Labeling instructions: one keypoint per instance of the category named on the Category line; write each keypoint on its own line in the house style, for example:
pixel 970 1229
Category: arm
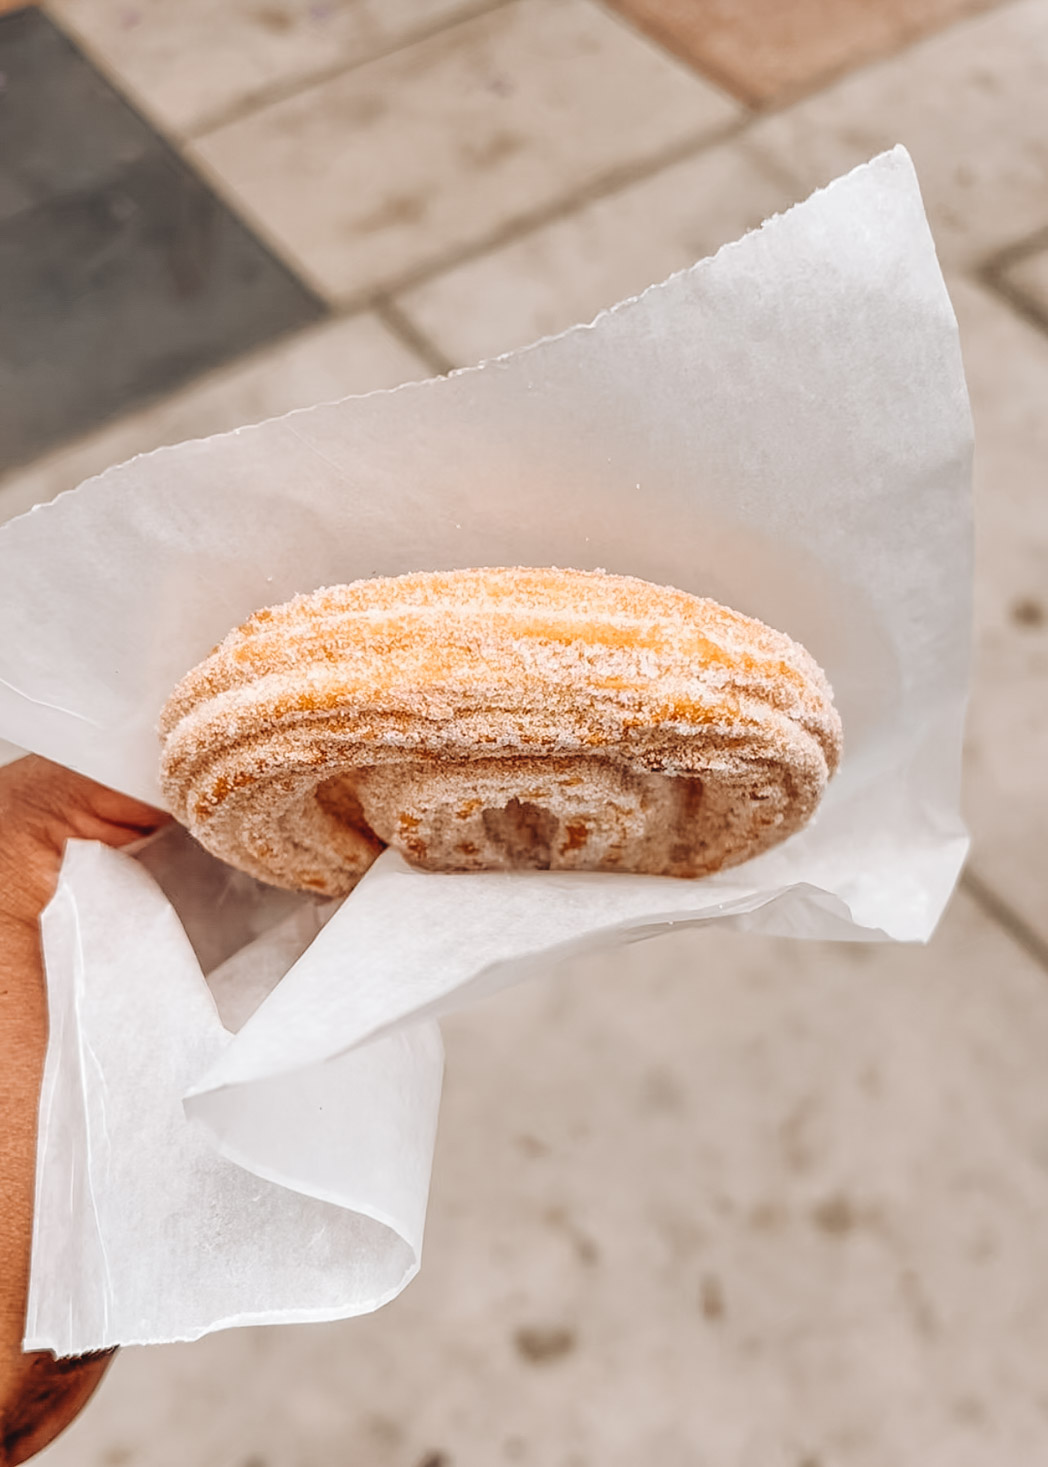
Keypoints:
pixel 41 807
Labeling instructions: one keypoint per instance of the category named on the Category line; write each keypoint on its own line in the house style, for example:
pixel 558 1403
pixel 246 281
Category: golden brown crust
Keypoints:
pixel 494 718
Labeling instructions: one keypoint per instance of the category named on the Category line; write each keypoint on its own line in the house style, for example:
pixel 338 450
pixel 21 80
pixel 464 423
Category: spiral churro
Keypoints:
pixel 496 719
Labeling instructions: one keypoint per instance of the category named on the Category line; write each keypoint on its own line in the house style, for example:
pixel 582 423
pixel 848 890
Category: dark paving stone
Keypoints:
pixel 63 127
pixel 121 274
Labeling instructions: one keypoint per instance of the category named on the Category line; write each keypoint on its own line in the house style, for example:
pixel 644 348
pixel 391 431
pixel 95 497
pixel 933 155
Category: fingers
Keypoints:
pixel 56 804
pixel 43 1399
pixel 42 806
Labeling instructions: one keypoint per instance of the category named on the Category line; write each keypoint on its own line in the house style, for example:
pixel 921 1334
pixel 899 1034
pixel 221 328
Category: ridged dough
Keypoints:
pixel 497 718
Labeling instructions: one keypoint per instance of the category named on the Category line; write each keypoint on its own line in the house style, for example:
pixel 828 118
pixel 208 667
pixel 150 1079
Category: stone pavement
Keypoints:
pixel 714 1201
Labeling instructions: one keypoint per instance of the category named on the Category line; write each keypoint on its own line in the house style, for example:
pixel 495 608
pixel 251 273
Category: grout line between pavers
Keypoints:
pixel 373 296
pixel 1013 254
pixel 666 41
pixel 1017 300
pixel 606 185
pixel 283 91
pixel 1005 916
pixel 408 334
pixel 992 274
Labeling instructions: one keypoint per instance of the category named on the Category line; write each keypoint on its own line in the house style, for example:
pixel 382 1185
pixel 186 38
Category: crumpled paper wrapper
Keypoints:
pixel 783 427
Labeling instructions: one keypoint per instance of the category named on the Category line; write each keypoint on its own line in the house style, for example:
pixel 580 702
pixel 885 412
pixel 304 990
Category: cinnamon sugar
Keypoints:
pixel 436 700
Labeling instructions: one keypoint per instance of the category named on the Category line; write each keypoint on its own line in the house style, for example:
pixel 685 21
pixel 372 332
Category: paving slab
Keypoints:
pixel 762 49
pixel 968 103
pixel 566 272
pixel 398 165
pixel 1006 774
pixel 241 50
pixel 320 364
pixel 122 275
pixel 712 1199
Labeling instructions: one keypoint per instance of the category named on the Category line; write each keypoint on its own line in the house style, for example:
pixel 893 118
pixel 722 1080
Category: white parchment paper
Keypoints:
pixel 142 1232
pixel 784 427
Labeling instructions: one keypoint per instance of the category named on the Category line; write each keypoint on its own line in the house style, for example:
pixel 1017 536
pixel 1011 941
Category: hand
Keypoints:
pixel 41 807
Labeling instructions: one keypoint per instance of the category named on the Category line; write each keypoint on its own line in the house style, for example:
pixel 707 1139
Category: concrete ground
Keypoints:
pixel 716 1201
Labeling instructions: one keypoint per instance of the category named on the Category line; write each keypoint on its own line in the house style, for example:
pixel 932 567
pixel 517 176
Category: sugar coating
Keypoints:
pixel 496 719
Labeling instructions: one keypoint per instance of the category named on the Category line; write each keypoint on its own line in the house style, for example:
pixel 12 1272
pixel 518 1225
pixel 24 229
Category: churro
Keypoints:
pixel 497 719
